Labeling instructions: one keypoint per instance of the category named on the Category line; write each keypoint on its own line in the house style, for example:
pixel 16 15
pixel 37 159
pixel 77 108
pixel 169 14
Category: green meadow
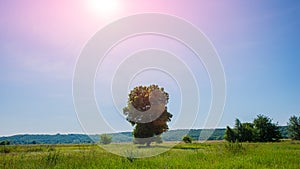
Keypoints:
pixel 285 154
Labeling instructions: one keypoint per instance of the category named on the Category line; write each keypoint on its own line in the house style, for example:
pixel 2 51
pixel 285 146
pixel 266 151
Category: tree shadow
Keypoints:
pixel 153 146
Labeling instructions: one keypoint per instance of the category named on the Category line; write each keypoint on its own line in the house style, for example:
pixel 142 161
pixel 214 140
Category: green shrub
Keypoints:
pixel 105 139
pixel 5 142
pixel 187 139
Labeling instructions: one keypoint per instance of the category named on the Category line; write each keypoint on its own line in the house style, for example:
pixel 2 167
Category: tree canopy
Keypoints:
pixel 265 129
pixel 262 130
pixel 230 135
pixel 187 139
pixel 146 110
pixel 294 127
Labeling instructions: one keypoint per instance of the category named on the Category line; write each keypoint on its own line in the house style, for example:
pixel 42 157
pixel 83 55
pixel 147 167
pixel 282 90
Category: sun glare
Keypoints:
pixel 104 8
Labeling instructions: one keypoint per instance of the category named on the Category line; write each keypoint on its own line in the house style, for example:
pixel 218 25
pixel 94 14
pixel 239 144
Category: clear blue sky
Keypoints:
pixel 257 42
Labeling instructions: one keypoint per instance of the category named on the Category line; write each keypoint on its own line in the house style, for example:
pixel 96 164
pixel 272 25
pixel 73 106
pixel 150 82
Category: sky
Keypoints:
pixel 40 42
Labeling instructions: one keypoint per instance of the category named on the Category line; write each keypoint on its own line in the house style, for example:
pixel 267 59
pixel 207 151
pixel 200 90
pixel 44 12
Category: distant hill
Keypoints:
pixel 172 135
pixel 48 139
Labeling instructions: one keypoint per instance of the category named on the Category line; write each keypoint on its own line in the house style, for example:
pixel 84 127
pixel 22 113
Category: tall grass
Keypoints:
pixel 196 155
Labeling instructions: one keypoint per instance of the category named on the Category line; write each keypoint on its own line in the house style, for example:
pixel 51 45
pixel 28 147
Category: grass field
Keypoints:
pixel 197 155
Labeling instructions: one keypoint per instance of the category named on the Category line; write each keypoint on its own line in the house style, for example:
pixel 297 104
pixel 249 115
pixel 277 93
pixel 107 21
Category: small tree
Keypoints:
pixel 238 130
pixel 265 130
pixel 105 139
pixel 5 142
pixel 247 132
pixel 294 128
pixel 230 135
pixel 187 139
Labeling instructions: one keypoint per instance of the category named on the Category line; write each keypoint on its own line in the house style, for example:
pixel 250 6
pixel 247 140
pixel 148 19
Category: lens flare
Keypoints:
pixel 104 8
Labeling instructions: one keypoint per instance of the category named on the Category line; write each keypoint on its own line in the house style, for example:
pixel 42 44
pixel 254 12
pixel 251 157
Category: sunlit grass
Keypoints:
pixel 195 155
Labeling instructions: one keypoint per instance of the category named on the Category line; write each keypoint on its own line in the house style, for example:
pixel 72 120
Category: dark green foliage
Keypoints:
pixel 243 131
pixel 5 142
pixel 247 132
pixel 137 113
pixel 265 130
pixel 171 135
pixel 187 139
pixel 105 139
pixel 230 135
pixel 50 139
pixel 262 130
pixel 294 128
pixel 238 129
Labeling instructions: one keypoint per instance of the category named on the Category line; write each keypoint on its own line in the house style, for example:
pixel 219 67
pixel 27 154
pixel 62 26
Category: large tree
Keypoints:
pixel 294 128
pixel 146 110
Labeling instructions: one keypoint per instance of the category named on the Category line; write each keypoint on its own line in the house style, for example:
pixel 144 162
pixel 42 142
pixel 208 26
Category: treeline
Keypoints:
pixel 172 135
pixel 47 139
pixel 262 129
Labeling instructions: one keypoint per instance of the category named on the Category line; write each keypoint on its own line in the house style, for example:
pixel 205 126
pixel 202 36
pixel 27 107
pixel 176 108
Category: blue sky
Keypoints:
pixel 257 42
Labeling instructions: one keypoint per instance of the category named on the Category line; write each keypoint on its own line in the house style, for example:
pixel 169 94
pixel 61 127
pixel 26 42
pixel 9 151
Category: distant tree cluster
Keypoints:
pixel 261 130
pixel 49 139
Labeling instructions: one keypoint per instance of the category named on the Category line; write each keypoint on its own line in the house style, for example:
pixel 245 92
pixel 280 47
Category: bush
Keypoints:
pixel 187 139
pixel 230 135
pixel 105 139
pixel 5 142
